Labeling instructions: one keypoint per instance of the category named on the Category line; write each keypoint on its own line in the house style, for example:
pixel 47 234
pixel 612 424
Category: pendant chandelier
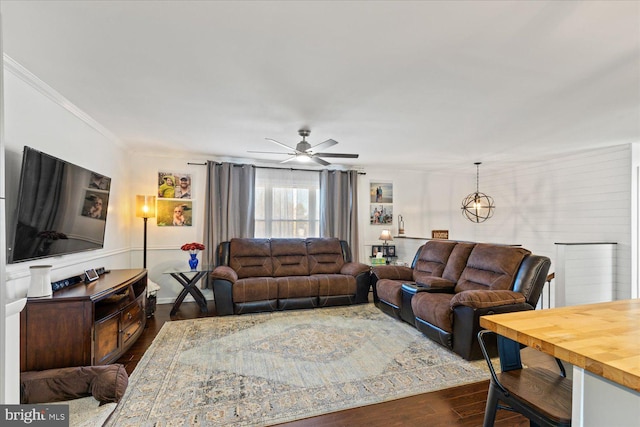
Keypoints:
pixel 478 207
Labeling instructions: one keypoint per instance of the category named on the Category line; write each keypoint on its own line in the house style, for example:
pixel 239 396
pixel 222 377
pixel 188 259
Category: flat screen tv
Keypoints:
pixel 61 208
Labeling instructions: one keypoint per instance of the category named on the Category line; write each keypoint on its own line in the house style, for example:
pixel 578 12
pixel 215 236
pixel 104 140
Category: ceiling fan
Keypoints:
pixel 304 152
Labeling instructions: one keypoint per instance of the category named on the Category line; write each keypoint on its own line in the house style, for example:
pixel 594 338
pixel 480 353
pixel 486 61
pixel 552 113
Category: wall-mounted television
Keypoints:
pixel 61 208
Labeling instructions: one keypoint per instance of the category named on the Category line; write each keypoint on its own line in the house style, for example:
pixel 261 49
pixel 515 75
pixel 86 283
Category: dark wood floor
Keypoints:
pixel 459 406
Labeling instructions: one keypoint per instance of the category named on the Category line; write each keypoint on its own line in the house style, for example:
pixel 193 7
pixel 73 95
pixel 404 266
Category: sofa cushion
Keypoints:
pixel 434 309
pixel 289 257
pixel 251 257
pixel 107 383
pixel 433 258
pixel 390 291
pixel 335 284
pixel 491 266
pixel 255 289
pixel 297 287
pixel 457 261
pixel 325 256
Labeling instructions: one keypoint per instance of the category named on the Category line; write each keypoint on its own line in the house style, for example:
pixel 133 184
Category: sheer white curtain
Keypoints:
pixel 287 203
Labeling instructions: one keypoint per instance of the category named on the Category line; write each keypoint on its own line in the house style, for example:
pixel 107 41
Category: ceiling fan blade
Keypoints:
pixel 271 152
pixel 340 155
pixel 293 157
pixel 281 144
pixel 319 161
pixel 326 144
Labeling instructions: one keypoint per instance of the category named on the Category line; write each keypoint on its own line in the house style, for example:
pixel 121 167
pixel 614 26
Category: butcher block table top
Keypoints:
pixel 601 338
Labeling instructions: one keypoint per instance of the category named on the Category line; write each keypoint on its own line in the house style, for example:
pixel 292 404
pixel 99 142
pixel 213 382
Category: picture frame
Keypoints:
pixel 381 192
pixel 387 250
pixel 381 214
pixel 391 250
pixel 174 213
pixel 174 185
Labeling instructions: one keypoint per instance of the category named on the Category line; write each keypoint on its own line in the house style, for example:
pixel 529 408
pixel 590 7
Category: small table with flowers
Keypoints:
pixel 189 284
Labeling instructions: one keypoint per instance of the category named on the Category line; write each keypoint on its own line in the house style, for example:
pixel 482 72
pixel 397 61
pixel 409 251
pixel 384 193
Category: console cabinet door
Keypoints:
pixel 107 338
pixel 55 336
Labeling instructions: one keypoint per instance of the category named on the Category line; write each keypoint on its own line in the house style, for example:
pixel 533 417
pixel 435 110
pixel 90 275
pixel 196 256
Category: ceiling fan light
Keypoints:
pixel 303 158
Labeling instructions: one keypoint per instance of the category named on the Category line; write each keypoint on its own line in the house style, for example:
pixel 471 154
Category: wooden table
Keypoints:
pixel 601 341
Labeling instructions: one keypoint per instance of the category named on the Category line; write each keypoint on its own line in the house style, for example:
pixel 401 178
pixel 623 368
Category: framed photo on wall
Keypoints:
pixel 381 192
pixel 174 185
pixel 174 213
pixel 381 214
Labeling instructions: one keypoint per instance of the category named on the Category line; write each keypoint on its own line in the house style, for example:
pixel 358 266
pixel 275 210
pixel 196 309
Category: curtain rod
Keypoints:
pixel 270 167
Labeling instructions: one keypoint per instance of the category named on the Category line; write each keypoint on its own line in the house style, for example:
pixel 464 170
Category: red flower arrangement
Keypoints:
pixel 192 247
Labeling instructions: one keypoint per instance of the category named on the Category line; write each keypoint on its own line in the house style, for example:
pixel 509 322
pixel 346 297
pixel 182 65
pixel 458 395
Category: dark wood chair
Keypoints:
pixel 541 395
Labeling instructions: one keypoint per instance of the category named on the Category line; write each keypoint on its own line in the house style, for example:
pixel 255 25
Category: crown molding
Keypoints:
pixel 43 88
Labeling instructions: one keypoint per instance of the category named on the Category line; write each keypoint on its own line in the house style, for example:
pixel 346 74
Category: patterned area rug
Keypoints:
pixel 269 368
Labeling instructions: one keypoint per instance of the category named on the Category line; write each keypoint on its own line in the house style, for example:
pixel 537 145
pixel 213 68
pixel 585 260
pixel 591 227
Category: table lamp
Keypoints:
pixel 145 209
pixel 385 236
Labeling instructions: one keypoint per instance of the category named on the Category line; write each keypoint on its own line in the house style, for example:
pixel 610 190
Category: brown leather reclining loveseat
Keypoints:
pixel 278 274
pixel 451 284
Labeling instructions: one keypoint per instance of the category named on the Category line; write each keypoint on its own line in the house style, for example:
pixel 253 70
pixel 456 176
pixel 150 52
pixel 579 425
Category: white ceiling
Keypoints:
pixel 416 84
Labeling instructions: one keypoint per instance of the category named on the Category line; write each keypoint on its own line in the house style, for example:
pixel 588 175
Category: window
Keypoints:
pixel 287 203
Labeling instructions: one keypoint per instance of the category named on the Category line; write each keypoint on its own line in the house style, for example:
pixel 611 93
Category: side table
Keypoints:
pixel 189 284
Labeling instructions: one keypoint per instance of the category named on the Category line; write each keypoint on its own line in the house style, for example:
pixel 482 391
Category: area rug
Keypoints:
pixel 269 368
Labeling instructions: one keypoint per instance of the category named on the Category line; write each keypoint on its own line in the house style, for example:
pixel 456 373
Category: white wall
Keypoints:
pixel 579 197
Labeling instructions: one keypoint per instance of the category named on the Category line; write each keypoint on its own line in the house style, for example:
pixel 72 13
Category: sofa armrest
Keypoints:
pixel 486 299
pixel 106 383
pixel 393 272
pixel 354 268
pixel 224 272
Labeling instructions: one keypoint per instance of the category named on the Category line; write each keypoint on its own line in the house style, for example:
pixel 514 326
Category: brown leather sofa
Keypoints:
pixel 255 275
pixel 451 284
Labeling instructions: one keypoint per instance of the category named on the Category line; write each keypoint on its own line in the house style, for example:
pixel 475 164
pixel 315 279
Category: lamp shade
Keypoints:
pixel 386 235
pixel 145 206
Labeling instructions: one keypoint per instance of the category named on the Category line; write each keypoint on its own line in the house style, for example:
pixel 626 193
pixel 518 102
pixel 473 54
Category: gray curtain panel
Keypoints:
pixel 339 207
pixel 229 205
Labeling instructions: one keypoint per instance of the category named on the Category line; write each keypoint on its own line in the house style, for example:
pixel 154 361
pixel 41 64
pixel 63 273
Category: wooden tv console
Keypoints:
pixel 86 324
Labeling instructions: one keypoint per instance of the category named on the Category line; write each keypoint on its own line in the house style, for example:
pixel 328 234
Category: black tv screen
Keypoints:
pixel 61 208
